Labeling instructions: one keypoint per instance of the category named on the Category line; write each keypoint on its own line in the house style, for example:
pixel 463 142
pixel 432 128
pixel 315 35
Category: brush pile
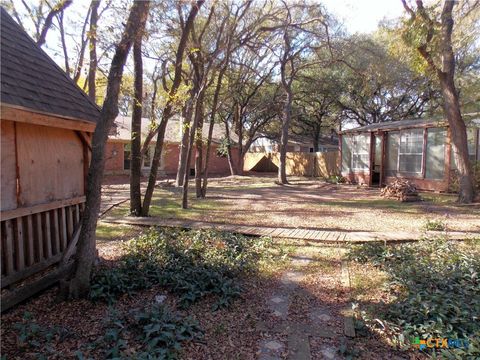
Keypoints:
pixel 401 190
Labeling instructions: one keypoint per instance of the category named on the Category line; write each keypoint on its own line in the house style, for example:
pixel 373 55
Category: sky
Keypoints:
pixel 363 16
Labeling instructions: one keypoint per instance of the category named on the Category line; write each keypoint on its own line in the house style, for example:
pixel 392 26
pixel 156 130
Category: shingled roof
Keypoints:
pixel 31 79
pixel 399 124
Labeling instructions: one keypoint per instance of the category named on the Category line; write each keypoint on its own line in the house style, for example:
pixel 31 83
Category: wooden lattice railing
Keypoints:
pixel 35 238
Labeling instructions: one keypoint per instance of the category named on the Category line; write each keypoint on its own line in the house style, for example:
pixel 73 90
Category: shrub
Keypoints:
pixel 336 179
pixel 191 264
pixel 435 225
pixel 436 285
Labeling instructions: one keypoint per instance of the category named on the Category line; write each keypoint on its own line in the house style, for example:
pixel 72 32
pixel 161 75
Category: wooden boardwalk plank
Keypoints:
pixel 276 232
pixel 295 233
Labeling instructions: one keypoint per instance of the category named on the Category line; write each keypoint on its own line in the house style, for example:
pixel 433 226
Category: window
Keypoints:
pixel 355 153
pixel 472 140
pixel 346 153
pixel 360 152
pixel 435 155
pixel 126 157
pixel 147 159
pixel 410 154
pixel 393 139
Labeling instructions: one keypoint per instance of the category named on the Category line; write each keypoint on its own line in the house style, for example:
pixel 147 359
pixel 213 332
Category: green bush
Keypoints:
pixel 437 289
pixel 191 264
pixel 435 225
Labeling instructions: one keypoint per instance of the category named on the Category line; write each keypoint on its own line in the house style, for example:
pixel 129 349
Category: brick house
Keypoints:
pixel 118 149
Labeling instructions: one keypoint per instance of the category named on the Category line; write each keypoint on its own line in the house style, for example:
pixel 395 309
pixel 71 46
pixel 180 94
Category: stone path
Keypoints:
pixel 297 343
pixel 292 233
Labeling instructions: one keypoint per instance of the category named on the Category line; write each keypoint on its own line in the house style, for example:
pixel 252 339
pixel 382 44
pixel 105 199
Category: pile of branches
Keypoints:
pixel 401 190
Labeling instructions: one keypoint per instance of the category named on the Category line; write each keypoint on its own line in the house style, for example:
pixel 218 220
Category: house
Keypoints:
pixel 418 150
pixel 296 143
pixel 117 151
pixel 46 127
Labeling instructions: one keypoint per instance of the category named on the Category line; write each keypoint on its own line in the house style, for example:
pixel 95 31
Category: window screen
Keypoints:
pixel 410 151
pixel 346 153
pixel 393 139
pixel 435 155
pixel 361 152
pixel 472 142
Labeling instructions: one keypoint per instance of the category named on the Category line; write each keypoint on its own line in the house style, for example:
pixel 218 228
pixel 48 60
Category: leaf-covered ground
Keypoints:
pixel 306 202
pixel 76 329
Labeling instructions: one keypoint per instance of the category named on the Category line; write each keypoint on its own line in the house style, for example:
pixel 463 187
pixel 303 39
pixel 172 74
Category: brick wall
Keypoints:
pixel 114 157
pixel 217 165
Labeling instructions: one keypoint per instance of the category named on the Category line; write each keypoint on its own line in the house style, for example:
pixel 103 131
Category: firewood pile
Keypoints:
pixel 401 190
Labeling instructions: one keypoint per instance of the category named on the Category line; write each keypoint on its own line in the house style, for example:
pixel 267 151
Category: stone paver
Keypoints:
pixel 319 314
pixel 330 353
pixel 291 279
pixel 271 349
pixel 279 304
pixel 298 260
pixel 298 346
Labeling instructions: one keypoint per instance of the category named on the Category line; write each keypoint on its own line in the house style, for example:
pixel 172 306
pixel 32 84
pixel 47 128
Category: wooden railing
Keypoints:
pixel 35 238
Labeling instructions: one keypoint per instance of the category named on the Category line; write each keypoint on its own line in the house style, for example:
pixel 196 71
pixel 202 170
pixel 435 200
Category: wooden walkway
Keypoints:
pixel 291 233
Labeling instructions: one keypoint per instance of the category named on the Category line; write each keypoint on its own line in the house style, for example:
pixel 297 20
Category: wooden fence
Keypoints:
pixel 320 164
pixel 34 239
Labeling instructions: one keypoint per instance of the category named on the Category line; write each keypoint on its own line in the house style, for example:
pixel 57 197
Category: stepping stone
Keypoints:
pixel 299 260
pixel 279 305
pixel 290 279
pixel 322 315
pixel 298 346
pixel 329 353
pixel 315 330
pixel 271 349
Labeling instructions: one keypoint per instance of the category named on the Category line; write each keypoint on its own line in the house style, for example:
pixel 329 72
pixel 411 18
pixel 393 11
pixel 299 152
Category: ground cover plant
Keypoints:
pixel 190 264
pixel 164 290
pixel 432 289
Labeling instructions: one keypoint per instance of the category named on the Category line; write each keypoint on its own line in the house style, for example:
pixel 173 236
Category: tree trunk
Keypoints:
pixel 458 133
pixel 182 165
pixel 237 121
pixel 167 113
pixel 136 135
pixel 60 7
pixel 79 285
pixel 79 65
pixel 316 138
pixel 287 113
pixel 193 130
pixel 210 129
pixel 199 145
pixel 64 44
pixel 231 165
pixel 92 69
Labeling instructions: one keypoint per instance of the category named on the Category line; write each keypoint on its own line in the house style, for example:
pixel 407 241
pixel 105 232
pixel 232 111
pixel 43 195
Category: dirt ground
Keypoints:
pixel 306 202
